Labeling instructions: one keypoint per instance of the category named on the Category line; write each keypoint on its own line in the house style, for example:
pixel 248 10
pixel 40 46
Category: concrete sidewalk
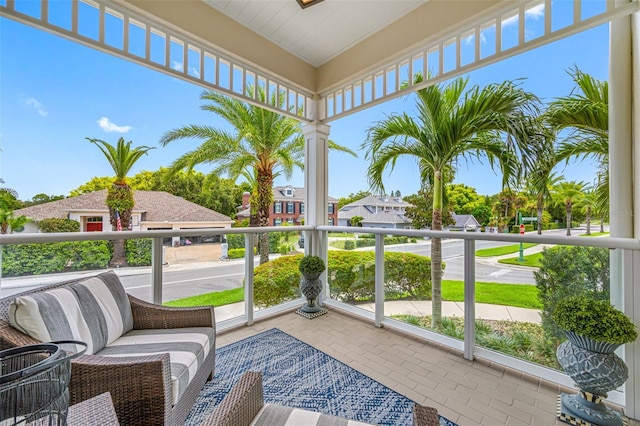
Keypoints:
pixel 421 308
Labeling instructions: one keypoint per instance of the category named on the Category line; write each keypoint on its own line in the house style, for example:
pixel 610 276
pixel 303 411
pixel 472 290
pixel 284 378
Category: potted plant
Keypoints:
pixel 595 329
pixel 311 267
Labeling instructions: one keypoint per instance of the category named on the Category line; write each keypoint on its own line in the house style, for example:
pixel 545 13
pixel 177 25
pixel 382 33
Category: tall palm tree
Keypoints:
pixel 541 181
pixel 585 114
pixel 450 124
pixel 121 158
pixel 588 204
pixel 262 146
pixel 568 193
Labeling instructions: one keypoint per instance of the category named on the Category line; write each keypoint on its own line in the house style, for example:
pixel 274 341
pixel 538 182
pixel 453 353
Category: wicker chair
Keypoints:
pixel 245 401
pixel 140 386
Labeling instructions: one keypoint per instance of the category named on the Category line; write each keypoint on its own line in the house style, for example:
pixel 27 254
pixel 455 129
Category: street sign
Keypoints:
pixel 522 229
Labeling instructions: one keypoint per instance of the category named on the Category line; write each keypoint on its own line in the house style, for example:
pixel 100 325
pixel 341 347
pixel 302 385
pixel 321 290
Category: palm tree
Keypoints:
pixel 121 158
pixel 262 146
pixel 541 181
pixel 588 204
pixel 585 113
pixel 450 124
pixel 568 193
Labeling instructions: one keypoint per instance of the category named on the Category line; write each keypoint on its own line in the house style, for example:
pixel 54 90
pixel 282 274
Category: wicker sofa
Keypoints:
pixel 244 405
pixel 154 369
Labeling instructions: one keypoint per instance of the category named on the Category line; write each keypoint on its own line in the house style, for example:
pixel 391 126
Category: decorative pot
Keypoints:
pixel 311 286
pixel 595 372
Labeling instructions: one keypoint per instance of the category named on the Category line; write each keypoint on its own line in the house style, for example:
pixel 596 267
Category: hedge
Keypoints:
pixel 235 241
pixel 238 253
pixel 351 276
pixel 138 251
pixel 49 258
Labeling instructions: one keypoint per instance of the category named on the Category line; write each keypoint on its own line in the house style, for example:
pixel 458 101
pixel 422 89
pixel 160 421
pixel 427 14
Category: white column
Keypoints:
pixel 624 183
pixel 316 182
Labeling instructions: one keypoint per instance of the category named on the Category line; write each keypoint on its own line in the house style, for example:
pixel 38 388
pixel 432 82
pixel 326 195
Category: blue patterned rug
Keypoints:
pixel 298 375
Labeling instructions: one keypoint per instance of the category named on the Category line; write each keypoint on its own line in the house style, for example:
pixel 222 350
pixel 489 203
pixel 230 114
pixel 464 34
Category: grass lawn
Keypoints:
pixel 340 235
pixel 532 260
pixel 499 251
pixel 338 244
pixel 218 298
pixel 594 234
pixel 519 295
pixel 523 296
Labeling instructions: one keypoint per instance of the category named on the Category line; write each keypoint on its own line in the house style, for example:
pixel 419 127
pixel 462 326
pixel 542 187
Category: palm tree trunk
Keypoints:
pixel 601 224
pixel 265 195
pixel 539 206
pixel 436 254
pixel 588 220
pixel 119 258
pixel 569 218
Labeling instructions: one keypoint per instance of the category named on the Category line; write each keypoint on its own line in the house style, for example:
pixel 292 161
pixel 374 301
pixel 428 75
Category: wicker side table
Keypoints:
pixel 94 411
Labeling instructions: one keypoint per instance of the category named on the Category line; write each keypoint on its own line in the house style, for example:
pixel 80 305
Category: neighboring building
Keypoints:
pixel 288 207
pixel 383 212
pixel 152 210
pixel 464 222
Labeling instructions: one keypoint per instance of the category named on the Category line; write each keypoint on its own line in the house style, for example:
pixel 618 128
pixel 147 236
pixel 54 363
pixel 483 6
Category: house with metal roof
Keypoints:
pixel 152 210
pixel 464 222
pixel 376 211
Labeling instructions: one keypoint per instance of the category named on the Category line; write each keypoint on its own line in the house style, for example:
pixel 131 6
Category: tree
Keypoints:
pixel 588 203
pixel 585 114
pixel 540 183
pixel 356 221
pixel 451 124
pixel 567 193
pixel 263 145
pixel 352 198
pixel 121 158
pixel 42 198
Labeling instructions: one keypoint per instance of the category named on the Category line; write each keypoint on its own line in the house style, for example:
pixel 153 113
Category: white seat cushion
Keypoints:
pixel 187 349
pixel 278 415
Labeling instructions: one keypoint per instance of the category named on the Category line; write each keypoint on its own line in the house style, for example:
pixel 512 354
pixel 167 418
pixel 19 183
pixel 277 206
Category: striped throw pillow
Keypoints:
pixel 94 310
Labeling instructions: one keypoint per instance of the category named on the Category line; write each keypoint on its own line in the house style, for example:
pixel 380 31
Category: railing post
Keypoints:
pixel 379 271
pixel 156 270
pixel 248 277
pixel 323 253
pixel 469 298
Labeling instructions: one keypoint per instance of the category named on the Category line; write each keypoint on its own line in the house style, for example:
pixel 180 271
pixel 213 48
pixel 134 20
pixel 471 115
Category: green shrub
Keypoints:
pixel 311 265
pixel 138 251
pixel 596 319
pixel 58 225
pixel 349 245
pixel 235 241
pixel 238 253
pixel 365 242
pixel 351 277
pixel 570 271
pixel 49 258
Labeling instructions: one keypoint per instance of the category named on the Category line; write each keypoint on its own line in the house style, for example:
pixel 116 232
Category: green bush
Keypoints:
pixel 238 253
pixel 365 242
pixel 49 258
pixel 351 277
pixel 595 319
pixel 311 265
pixel 349 245
pixel 138 251
pixel 570 271
pixel 58 225
pixel 235 241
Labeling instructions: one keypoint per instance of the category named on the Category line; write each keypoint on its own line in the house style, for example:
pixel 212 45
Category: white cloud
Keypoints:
pixel 194 72
pixel 108 126
pixel 35 104
pixel 535 12
pixel 178 66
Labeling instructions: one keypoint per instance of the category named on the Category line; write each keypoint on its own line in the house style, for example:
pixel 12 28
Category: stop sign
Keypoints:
pixel 522 229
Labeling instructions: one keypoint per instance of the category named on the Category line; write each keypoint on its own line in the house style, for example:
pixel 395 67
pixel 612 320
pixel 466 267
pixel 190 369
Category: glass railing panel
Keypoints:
pixel 277 280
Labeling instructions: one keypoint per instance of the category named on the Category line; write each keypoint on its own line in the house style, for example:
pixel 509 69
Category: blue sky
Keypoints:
pixel 54 93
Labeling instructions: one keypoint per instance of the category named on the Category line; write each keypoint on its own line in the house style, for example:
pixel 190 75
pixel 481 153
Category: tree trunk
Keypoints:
pixel 119 258
pixel 540 207
pixel 601 224
pixel 588 220
pixel 436 254
pixel 265 196
pixel 569 218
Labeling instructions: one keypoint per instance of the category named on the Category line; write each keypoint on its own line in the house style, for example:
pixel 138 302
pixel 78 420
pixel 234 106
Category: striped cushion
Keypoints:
pixel 273 414
pixel 94 310
pixel 187 348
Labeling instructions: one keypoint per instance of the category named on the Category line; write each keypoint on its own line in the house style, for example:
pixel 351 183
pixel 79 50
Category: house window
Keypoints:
pixel 330 221
pixel 330 208
pixel 289 192
pixel 290 207
pixel 301 208
pixel 277 221
pixel 290 221
pixel 277 207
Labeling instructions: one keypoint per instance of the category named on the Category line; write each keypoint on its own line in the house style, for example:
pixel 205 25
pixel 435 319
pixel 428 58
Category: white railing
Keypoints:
pixel 468 346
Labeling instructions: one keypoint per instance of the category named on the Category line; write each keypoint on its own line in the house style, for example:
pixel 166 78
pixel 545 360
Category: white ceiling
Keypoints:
pixel 320 32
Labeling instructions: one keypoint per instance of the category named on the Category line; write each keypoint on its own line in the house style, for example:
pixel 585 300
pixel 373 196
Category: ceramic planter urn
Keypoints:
pixel 596 370
pixel 311 286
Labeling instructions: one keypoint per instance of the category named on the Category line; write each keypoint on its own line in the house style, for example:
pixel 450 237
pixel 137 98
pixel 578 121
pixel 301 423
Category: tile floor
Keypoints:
pixel 469 393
